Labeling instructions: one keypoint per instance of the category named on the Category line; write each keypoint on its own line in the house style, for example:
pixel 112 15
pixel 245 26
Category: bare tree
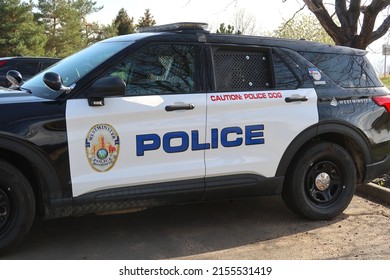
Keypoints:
pixel 244 23
pixel 348 22
pixel 349 32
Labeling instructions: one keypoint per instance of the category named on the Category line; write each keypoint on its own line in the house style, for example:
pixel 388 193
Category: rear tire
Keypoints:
pixel 321 183
pixel 17 206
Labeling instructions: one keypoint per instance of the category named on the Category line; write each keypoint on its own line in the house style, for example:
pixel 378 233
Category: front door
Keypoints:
pixel 147 136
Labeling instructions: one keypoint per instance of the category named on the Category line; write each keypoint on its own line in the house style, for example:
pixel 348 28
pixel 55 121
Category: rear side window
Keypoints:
pixel 284 78
pixel 4 66
pixel 348 71
pixel 242 70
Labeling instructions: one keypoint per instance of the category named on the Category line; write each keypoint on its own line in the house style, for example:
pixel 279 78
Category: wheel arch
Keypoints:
pixel 343 134
pixel 37 169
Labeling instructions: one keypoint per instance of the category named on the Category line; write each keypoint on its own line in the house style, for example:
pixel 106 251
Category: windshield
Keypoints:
pixel 74 67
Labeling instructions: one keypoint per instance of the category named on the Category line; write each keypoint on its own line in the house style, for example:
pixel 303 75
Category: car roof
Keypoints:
pixel 27 57
pixel 297 45
pixel 182 29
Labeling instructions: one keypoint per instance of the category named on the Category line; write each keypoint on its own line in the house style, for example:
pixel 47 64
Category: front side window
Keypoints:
pixel 160 69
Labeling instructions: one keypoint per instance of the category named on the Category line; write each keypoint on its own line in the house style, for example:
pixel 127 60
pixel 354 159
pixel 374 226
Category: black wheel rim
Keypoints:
pixel 324 183
pixel 5 209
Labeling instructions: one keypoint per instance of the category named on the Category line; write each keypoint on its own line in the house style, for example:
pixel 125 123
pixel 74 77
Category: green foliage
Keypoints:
pixel 302 27
pixel 19 33
pixel 85 7
pixel 124 23
pixel 386 81
pixel 62 24
pixel 57 28
pixel 225 30
pixel 95 32
pixel 147 20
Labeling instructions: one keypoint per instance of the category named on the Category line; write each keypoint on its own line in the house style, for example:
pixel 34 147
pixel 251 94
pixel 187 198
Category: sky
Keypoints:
pixel 269 14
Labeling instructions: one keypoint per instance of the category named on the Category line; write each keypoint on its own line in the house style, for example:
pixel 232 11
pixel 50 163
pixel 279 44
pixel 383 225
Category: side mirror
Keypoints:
pixel 14 77
pixel 54 82
pixel 105 87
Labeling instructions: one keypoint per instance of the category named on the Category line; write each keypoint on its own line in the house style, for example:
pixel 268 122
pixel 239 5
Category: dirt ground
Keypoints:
pixel 361 232
pixel 259 228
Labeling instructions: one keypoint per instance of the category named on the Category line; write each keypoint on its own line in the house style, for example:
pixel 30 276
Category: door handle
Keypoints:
pixel 296 99
pixel 175 107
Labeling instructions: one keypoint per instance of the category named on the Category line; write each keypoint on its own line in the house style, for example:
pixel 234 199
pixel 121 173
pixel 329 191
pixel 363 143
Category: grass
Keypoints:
pixel 386 81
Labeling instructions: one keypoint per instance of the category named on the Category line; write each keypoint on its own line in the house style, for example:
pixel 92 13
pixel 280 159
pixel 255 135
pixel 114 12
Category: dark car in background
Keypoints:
pixel 27 66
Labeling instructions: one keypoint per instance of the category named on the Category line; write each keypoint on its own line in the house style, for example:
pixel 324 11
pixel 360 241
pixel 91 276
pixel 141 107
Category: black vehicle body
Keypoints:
pixel 33 129
pixel 27 66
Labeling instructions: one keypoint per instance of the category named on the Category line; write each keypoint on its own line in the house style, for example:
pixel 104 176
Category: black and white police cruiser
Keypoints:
pixel 176 114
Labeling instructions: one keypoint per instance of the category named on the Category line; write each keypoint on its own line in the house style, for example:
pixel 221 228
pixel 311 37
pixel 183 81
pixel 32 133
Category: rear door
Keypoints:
pixel 255 111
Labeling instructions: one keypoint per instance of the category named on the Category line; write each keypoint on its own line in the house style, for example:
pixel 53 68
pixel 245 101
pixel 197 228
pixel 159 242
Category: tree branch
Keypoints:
pixel 353 15
pixel 378 5
pixel 341 12
pixel 317 7
pixel 381 30
pixel 370 14
pixel 292 18
pixel 348 13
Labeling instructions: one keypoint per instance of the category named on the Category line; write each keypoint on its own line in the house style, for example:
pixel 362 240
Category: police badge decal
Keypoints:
pixel 102 147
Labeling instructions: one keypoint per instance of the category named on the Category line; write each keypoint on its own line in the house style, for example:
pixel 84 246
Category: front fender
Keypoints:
pixel 41 172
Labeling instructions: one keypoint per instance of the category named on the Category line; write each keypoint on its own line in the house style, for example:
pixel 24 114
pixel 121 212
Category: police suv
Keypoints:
pixel 176 114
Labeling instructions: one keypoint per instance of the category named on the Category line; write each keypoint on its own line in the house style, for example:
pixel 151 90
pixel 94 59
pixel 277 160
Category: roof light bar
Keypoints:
pixel 179 26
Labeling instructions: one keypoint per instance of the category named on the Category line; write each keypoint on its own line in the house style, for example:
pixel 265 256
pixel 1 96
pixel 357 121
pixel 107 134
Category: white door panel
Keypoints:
pixel 152 142
pixel 266 119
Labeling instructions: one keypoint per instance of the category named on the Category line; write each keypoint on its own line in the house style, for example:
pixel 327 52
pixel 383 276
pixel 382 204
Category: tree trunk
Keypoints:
pixel 346 34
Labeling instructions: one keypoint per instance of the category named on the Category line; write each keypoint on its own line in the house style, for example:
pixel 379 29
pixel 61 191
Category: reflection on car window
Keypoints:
pixel 159 69
pixel 347 71
pixel 284 78
pixel 75 67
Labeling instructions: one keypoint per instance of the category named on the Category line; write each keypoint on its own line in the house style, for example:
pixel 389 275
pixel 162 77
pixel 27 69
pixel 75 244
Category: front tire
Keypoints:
pixel 321 182
pixel 17 206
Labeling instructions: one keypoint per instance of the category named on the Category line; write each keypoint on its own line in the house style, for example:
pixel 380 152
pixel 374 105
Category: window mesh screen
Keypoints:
pixel 242 70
